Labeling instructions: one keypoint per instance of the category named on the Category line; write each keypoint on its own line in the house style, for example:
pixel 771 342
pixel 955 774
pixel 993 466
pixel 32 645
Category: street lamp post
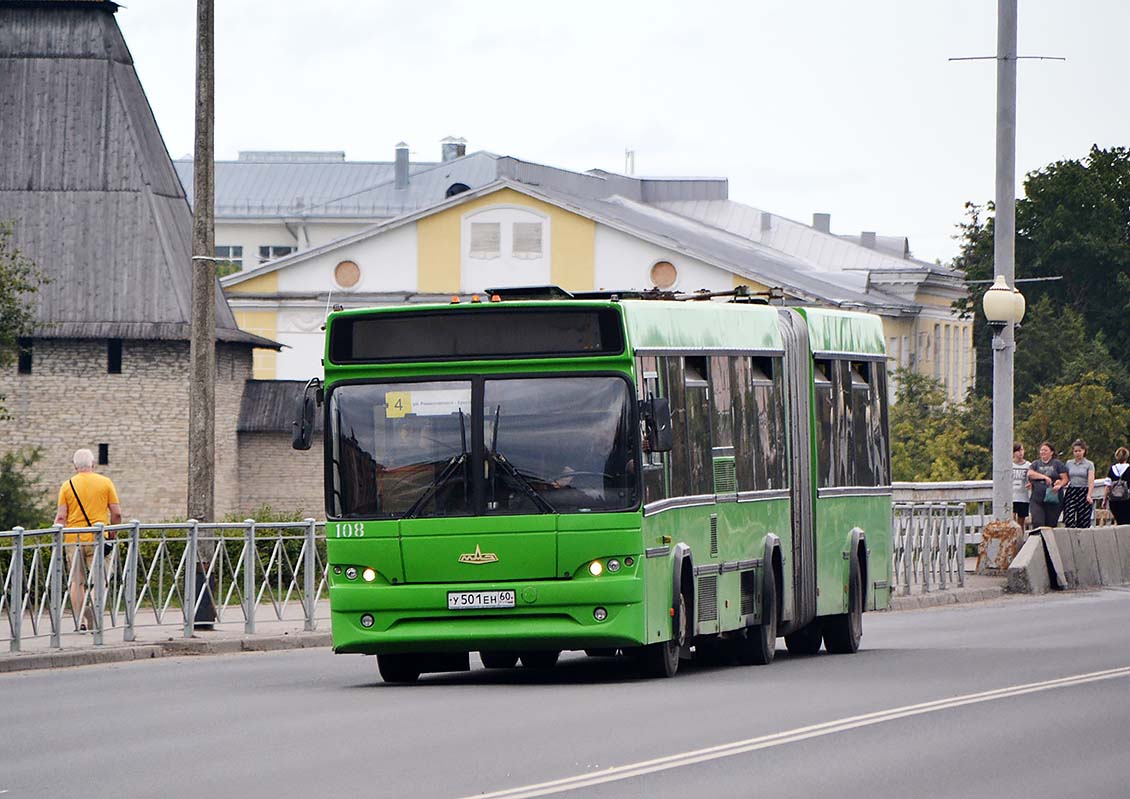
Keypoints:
pixel 1004 307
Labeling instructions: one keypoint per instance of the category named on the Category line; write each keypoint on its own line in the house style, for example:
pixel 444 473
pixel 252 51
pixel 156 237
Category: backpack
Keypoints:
pixel 1119 490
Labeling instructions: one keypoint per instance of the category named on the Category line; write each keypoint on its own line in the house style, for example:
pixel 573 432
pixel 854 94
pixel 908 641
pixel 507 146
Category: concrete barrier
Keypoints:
pixel 1066 558
pixel 1028 572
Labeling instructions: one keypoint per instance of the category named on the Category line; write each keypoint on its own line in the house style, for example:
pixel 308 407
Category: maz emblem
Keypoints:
pixel 478 556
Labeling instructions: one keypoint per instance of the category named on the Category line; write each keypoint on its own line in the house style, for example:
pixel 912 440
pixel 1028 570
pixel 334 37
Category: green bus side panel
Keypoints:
pixel 835 518
pixel 844 331
pixel 741 531
pixel 656 325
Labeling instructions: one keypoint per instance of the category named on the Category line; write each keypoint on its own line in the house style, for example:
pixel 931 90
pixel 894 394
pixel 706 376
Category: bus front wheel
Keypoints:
pixel 662 659
pixel 398 668
pixel 843 631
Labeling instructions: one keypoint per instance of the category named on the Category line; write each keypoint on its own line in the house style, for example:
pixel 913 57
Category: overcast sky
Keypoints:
pixel 849 108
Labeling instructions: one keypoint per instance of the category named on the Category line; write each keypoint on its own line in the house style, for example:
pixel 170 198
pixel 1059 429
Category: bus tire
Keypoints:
pixel 499 660
pixel 843 631
pixel 541 659
pixel 662 659
pixel 398 668
pixel 759 644
pixel 806 640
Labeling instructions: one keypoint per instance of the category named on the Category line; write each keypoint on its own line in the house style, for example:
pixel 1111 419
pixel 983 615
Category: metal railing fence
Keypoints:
pixel 144 575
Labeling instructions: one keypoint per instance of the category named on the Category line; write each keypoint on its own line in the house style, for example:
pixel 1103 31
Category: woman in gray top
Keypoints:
pixel 1048 476
pixel 1077 500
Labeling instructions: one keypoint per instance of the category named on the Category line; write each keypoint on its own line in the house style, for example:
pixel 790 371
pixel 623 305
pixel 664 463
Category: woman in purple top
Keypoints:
pixel 1048 476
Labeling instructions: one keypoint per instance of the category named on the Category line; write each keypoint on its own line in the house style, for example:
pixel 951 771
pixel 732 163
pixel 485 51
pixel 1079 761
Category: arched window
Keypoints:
pixel 456 188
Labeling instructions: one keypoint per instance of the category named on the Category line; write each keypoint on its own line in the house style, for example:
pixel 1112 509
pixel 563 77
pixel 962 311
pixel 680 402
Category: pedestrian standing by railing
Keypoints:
pixel 1078 498
pixel 1048 476
pixel 84 501
pixel 1021 485
pixel 1118 491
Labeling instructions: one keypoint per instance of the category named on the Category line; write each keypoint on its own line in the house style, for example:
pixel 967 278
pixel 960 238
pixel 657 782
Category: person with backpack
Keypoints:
pixel 1118 492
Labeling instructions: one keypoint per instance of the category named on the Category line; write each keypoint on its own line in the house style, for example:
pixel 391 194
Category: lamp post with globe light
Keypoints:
pixel 1004 307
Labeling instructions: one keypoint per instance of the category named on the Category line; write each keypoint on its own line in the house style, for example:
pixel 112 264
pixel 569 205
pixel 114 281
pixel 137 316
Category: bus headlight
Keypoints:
pixel 613 565
pixel 366 621
pixel 351 573
pixel 369 575
pixel 596 568
pixel 600 614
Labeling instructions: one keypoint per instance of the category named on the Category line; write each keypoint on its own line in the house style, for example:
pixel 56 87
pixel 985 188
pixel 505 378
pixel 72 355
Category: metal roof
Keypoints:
pixel 87 181
pixel 269 406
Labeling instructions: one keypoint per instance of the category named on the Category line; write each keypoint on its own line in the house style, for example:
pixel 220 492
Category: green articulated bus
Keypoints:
pixel 651 478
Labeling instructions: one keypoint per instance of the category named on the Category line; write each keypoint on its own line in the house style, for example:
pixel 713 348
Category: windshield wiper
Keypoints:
pixel 444 475
pixel 511 471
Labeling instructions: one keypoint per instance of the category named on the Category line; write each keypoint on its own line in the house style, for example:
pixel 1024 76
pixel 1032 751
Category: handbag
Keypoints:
pixel 107 547
pixel 1050 495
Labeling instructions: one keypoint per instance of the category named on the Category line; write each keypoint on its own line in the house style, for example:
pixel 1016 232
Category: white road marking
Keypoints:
pixel 790 736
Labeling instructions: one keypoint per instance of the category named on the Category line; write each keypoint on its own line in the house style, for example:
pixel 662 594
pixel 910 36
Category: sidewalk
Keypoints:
pixel 167 640
pixel 228 637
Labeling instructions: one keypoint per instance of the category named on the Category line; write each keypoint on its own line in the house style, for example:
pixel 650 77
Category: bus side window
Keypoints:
pixel 647 386
pixel 678 459
pixel 841 424
pixel 698 425
pixel 878 438
pixel 822 375
pixel 779 460
pixel 765 425
pixel 745 422
pixel 862 447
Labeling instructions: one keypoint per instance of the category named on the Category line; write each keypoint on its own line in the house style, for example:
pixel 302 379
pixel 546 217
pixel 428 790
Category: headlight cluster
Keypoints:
pixel 368 573
pixel 610 565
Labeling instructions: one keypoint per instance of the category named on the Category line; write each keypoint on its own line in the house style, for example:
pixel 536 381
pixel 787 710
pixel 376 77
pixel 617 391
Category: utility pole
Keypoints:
pixel 202 346
pixel 1004 256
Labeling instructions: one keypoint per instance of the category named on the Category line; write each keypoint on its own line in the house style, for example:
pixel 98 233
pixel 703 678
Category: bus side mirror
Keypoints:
pixel 302 432
pixel 656 414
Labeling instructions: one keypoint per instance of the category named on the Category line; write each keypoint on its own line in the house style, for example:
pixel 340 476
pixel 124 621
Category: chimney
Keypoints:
pixel 401 181
pixel 766 221
pixel 453 147
pixel 822 222
pixel 867 239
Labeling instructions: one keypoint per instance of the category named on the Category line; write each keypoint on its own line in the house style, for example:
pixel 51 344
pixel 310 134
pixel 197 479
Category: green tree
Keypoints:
pixel 935 441
pixel 23 500
pixel 1073 223
pixel 19 280
pixel 1086 409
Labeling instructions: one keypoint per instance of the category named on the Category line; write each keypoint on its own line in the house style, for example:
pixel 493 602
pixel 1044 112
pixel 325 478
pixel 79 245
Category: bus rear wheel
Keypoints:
pixel 843 631
pixel 499 660
pixel 662 659
pixel 759 644
pixel 806 640
pixel 540 660
pixel 398 668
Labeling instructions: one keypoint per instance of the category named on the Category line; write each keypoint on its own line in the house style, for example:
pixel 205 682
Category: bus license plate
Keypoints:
pixel 475 600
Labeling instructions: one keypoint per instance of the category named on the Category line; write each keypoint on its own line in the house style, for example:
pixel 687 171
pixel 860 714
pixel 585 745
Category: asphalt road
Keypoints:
pixel 308 723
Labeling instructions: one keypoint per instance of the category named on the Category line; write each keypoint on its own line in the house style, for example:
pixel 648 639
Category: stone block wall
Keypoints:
pixel 69 400
pixel 271 473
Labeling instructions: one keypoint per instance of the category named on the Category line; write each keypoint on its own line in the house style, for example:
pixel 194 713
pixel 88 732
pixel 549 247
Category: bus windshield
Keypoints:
pixel 541 445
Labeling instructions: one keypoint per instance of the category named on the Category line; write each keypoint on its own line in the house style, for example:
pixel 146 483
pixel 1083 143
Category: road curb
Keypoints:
pixel 189 647
pixel 935 599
